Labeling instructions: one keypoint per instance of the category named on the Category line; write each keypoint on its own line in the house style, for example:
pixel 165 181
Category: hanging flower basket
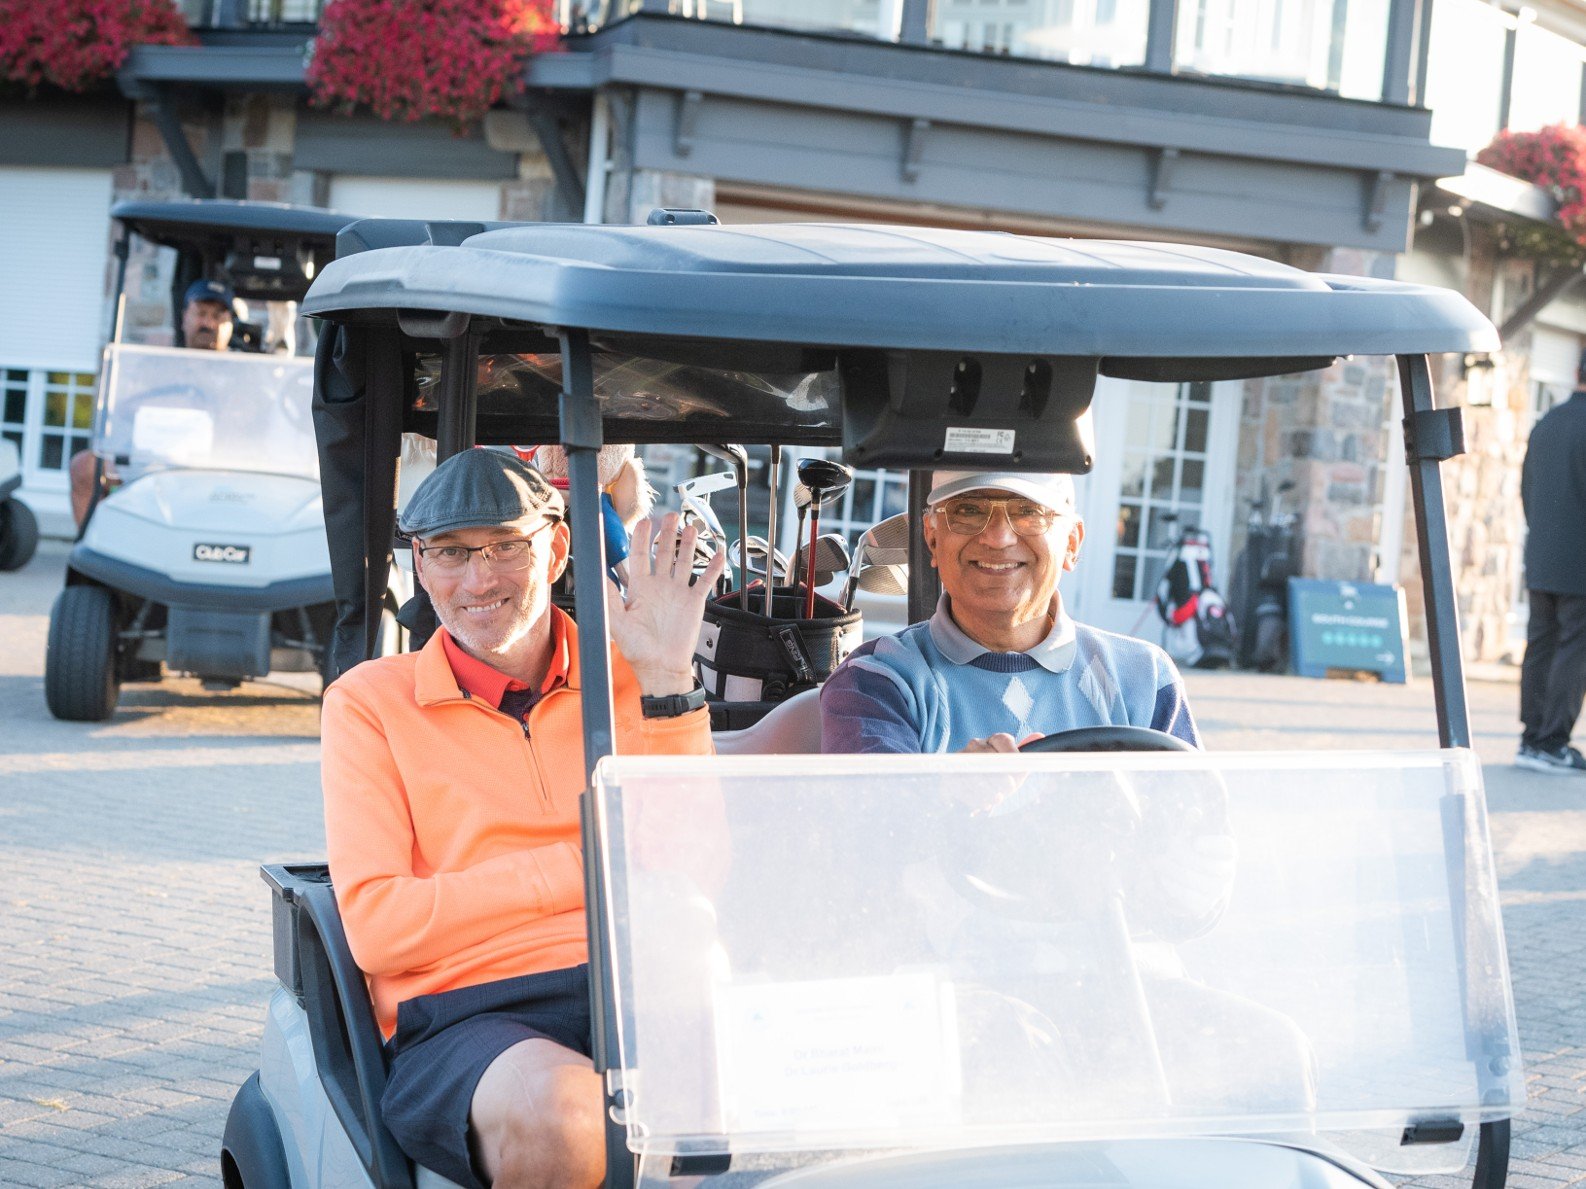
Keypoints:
pixel 1553 158
pixel 412 59
pixel 76 44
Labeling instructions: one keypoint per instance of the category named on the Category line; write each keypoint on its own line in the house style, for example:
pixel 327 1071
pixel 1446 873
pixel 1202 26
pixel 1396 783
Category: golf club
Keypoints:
pixel 801 503
pixel 883 547
pixel 884 580
pixel 694 495
pixel 773 486
pixel 831 558
pixel 739 458
pixel 758 548
pixel 825 479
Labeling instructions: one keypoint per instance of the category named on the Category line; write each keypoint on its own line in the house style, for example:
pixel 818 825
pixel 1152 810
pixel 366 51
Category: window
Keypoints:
pixel 14 407
pixel 1164 479
pixel 68 417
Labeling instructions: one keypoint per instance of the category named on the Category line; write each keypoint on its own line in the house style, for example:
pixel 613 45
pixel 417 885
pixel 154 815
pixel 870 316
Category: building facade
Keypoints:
pixel 1330 135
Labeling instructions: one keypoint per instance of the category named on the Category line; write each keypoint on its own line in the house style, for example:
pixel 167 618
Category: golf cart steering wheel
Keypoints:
pixel 1108 738
pixel 995 861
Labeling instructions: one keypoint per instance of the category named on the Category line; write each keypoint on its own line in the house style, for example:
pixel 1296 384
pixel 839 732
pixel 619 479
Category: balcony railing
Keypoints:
pixel 251 14
pixel 1337 46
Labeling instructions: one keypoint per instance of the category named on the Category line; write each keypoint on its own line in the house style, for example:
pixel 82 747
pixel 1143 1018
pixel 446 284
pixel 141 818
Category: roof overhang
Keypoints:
pixel 1498 195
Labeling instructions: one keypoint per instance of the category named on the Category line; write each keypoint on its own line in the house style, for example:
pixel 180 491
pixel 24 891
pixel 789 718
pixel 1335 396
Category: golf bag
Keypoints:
pixel 742 656
pixel 1198 630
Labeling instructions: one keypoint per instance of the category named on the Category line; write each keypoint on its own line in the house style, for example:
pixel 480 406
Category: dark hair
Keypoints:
pixel 1580 370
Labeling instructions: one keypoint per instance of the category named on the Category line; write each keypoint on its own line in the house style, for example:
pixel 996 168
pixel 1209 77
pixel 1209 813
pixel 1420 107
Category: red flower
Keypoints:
pixel 408 59
pixel 73 44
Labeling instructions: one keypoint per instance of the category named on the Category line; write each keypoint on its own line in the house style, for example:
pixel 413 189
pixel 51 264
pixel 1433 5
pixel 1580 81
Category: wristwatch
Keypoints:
pixel 672 705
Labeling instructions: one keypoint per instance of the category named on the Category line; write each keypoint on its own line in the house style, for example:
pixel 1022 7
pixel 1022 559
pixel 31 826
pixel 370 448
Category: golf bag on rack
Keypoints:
pixel 744 657
pixel 1198 631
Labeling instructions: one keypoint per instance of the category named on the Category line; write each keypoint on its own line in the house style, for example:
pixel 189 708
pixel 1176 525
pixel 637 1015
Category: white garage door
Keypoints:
pixel 415 198
pixel 55 233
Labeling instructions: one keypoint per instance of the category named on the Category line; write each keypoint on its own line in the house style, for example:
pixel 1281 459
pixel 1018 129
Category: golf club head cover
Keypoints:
pixel 622 478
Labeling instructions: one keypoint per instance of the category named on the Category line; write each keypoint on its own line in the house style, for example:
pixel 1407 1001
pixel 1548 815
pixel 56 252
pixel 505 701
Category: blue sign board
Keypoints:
pixel 1351 626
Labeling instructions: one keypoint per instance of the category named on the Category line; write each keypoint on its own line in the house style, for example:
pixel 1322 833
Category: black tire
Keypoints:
pixel 1272 644
pixel 251 1153
pixel 80 680
pixel 19 534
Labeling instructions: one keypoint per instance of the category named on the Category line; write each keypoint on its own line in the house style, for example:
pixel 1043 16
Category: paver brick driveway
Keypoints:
pixel 135 934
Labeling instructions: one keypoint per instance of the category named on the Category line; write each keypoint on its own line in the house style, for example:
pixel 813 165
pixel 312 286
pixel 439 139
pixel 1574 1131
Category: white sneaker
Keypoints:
pixel 1563 761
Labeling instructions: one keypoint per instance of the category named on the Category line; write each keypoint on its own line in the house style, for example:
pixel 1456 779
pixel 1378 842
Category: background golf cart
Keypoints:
pixel 812 335
pixel 19 528
pixel 210 556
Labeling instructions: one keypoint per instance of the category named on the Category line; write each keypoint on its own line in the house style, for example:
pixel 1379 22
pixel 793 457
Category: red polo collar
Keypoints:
pixel 489 684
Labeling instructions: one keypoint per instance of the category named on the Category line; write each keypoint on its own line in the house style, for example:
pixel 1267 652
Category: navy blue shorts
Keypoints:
pixel 444 1043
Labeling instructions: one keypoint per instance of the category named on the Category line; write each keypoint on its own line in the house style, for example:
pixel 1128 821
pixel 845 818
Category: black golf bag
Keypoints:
pixel 743 657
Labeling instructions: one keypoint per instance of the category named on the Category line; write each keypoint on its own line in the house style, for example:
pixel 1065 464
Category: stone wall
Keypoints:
pixel 150 175
pixel 1329 433
pixel 1481 488
pixel 246 148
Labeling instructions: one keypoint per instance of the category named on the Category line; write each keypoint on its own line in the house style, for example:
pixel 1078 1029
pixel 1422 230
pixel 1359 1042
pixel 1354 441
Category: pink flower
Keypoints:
pixel 409 59
pixel 74 44
pixel 1553 158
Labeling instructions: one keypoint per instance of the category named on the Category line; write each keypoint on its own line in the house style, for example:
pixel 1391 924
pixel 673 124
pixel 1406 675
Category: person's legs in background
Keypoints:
pixel 1566 678
pixel 1552 682
pixel 83 470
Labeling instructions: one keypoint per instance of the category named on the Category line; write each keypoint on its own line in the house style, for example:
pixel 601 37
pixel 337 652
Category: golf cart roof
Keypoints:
pixel 268 250
pixel 195 221
pixel 1145 310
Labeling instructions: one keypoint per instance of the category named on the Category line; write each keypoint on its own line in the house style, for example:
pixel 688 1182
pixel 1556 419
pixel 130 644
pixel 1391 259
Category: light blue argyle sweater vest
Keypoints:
pixel 932 689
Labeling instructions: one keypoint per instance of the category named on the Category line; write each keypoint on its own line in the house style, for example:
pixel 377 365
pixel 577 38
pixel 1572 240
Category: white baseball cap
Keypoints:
pixel 1055 491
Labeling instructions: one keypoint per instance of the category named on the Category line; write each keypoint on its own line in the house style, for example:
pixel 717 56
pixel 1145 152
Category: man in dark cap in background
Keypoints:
pixel 1553 677
pixel 451 782
pixel 207 321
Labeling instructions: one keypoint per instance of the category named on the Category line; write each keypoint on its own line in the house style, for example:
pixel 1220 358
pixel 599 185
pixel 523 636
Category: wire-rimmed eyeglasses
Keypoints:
pixel 502 556
pixel 968 516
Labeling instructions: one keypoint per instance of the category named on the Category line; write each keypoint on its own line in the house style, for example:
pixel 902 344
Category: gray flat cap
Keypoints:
pixel 480 489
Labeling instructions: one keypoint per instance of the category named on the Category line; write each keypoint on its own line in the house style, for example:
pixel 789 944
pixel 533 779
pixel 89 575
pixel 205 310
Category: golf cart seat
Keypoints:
pixel 322 991
pixel 793 727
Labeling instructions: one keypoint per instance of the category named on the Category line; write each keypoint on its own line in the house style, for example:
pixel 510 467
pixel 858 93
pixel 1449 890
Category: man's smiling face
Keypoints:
pixel 997 579
pixel 492 613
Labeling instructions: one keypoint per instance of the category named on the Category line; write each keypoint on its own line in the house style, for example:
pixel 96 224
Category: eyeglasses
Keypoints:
pixel 501 556
pixel 969 516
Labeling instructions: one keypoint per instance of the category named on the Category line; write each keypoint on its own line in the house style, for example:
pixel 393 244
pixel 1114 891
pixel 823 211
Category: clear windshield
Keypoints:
pixel 929 951
pixel 162 407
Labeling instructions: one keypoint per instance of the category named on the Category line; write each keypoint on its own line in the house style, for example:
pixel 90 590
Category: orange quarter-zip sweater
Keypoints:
pixel 452 826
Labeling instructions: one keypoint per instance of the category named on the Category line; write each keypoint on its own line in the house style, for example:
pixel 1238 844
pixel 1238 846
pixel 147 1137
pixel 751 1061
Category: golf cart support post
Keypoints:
pixel 991 365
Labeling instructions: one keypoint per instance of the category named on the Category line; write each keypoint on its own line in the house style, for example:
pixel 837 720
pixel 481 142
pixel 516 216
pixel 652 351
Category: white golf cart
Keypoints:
pixel 209 558
pixel 19 528
pixel 1164 969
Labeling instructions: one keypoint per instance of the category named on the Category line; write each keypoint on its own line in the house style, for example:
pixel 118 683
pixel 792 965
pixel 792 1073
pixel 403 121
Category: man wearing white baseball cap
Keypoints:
pixel 1000 662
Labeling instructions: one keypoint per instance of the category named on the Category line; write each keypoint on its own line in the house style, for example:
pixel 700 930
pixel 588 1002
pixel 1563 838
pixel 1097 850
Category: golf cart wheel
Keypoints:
pixel 19 534
pixel 80 682
pixel 1271 644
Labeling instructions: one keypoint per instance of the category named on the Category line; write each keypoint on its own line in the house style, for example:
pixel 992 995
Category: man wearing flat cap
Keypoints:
pixel 451 781
pixel 1000 661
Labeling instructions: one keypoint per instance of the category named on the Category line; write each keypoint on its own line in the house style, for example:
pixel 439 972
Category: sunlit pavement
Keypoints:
pixel 136 933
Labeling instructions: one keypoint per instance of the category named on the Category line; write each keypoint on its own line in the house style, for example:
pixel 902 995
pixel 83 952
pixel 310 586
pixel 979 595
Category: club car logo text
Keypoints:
pixel 236 555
